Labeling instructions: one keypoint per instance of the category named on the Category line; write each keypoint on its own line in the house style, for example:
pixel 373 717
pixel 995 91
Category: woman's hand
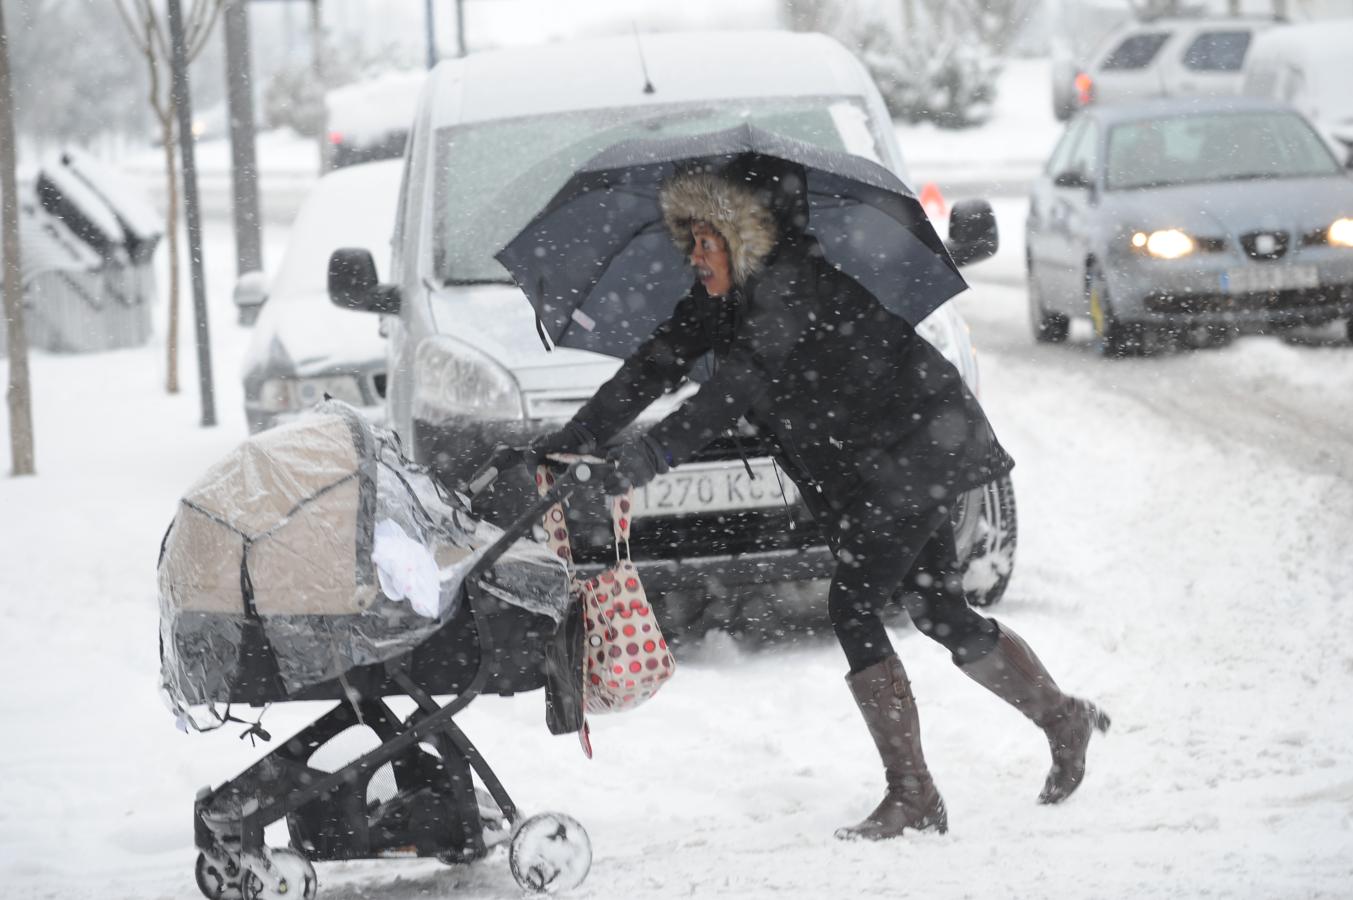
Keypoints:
pixel 572 438
pixel 634 464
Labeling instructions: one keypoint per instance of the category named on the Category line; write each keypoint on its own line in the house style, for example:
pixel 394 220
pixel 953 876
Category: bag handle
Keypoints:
pixel 622 510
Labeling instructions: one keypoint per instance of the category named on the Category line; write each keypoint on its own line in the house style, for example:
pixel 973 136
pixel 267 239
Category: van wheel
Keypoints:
pixel 986 533
pixel 1116 338
pixel 1048 328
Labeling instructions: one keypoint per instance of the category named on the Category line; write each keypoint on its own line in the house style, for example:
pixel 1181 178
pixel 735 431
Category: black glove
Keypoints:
pixel 572 438
pixel 634 463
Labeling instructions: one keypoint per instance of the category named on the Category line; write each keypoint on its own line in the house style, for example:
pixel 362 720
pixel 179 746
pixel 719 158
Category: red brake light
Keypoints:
pixel 335 137
pixel 1085 89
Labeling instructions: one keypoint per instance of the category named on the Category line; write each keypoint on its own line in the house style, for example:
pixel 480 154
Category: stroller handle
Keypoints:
pixel 579 469
pixel 503 457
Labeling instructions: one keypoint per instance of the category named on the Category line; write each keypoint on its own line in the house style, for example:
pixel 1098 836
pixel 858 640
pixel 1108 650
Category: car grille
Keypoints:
pixel 1278 301
pixel 1264 245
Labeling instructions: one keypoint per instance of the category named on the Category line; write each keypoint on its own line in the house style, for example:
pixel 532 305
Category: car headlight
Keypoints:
pixel 1169 243
pixel 451 378
pixel 948 333
pixel 1341 233
pixel 291 394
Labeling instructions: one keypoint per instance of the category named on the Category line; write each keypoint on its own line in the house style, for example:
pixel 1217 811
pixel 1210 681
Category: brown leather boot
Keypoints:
pixel 883 695
pixel 1012 672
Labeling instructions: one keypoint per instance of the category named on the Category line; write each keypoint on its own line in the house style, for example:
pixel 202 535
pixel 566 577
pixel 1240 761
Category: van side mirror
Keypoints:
pixel 251 292
pixel 973 235
pixel 1072 178
pixel 353 283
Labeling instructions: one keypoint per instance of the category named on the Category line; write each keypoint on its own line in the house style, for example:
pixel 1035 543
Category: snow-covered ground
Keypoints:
pixel 1186 559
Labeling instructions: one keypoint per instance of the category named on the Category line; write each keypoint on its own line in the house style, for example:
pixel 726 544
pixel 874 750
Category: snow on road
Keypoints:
pixel 1186 559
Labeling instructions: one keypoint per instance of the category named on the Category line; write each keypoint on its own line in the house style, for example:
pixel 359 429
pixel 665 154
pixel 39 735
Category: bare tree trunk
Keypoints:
pixel 171 227
pixel 144 24
pixel 19 393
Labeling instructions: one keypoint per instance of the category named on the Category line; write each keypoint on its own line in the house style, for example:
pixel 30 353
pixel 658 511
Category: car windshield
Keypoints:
pixel 493 176
pixel 1215 147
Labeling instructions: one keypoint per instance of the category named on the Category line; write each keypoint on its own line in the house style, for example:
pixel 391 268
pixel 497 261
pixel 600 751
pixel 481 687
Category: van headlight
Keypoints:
pixel 451 378
pixel 948 333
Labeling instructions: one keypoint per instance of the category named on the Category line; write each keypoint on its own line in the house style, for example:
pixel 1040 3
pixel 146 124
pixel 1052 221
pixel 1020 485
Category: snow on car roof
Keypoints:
pixel 373 108
pixel 608 72
pixel 349 207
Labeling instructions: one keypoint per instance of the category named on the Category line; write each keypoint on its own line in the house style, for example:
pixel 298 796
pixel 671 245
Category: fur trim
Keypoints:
pixel 734 211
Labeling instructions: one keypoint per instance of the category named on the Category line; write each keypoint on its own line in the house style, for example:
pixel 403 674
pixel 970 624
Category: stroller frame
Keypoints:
pixel 436 811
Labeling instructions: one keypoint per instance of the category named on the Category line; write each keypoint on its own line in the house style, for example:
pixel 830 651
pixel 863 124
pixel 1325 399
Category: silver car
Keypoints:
pixel 302 347
pixel 1194 218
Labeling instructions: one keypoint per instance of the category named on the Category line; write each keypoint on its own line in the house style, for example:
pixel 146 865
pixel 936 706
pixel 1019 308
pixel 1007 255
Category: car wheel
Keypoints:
pixel 1116 338
pixel 1348 327
pixel 985 534
pixel 1048 328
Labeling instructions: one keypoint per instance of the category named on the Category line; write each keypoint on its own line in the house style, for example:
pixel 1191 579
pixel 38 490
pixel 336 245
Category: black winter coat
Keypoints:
pixel 853 403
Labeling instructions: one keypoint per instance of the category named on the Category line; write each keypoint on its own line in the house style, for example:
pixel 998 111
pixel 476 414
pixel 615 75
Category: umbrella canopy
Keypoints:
pixel 602 272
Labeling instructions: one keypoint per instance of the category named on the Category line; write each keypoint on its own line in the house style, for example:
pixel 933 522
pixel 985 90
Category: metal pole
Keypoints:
pixel 317 66
pixel 460 27
pixel 183 106
pixel 243 164
pixel 430 27
pixel 19 394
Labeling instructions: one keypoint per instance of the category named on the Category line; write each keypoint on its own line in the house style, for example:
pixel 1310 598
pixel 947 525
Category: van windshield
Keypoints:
pixel 494 176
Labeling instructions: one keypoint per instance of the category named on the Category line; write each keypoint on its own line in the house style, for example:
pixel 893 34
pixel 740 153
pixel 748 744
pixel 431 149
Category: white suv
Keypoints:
pixel 1160 58
pixel 495 136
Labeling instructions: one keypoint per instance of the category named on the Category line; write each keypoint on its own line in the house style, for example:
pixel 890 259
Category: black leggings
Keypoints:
pixel 882 558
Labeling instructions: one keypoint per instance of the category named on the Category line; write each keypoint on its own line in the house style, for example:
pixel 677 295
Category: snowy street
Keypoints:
pixel 1185 560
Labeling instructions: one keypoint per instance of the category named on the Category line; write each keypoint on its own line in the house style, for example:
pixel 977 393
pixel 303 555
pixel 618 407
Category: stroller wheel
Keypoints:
pixel 292 878
pixel 218 880
pixel 550 852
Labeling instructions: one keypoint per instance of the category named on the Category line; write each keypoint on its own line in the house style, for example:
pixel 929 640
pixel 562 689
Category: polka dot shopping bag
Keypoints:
pixel 627 658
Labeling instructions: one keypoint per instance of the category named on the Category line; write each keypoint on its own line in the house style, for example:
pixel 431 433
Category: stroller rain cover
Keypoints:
pixel 271 553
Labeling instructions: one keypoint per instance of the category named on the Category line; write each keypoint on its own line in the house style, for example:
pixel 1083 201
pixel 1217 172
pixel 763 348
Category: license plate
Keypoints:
pixel 714 487
pixel 1259 279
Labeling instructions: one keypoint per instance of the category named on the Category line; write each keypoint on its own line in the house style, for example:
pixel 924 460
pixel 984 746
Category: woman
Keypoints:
pixel 876 428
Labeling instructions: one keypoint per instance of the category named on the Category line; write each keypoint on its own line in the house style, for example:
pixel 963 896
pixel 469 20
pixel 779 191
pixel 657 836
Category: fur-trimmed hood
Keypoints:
pixel 733 209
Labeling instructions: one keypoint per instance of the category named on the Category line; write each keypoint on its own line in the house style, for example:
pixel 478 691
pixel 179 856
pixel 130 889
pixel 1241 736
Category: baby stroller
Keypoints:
pixel 499 628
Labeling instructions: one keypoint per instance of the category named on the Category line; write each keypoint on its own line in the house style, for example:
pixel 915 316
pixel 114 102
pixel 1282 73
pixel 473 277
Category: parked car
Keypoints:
pixel 302 347
pixel 1192 218
pixel 1164 57
pixel 1311 67
pixel 369 120
pixel 468 370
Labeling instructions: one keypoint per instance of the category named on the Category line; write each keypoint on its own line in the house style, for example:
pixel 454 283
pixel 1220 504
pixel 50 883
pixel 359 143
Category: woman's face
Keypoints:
pixel 709 256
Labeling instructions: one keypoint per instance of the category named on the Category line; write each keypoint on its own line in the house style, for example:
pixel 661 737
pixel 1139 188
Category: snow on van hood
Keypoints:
pixel 498 320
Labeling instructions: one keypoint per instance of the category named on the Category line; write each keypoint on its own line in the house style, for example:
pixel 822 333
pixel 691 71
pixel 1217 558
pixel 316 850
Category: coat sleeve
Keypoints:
pixel 775 320
pixel 656 367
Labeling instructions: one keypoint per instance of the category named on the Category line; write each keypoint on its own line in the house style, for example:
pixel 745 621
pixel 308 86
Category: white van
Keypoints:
pixel 1163 57
pixel 1311 67
pixel 467 370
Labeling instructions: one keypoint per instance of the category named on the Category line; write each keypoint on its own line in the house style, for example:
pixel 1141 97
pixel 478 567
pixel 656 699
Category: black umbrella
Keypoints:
pixel 602 272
